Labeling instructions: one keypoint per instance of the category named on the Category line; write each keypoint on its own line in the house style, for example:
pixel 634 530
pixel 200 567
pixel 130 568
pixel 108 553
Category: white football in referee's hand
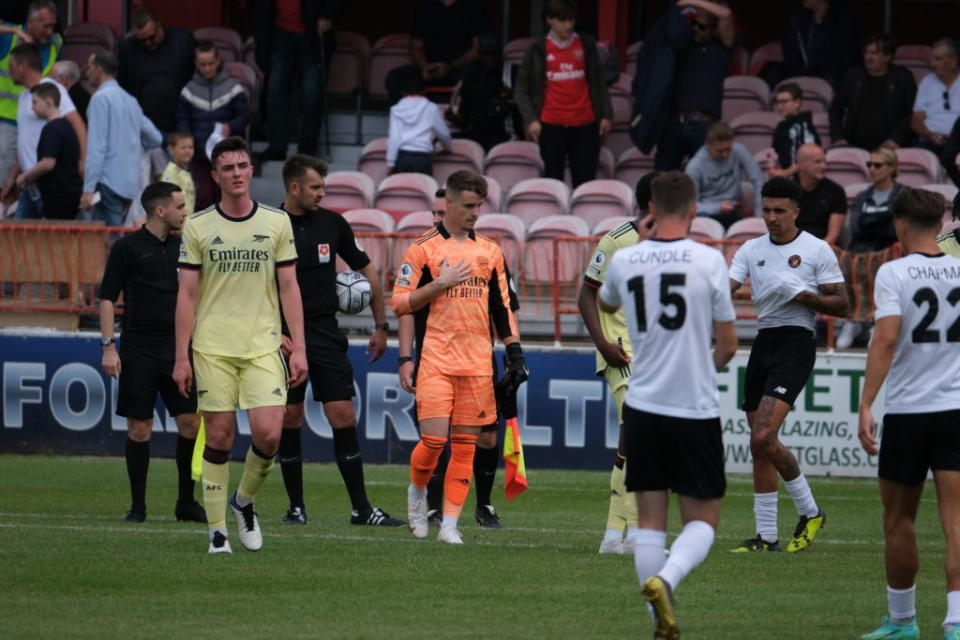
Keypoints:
pixel 353 292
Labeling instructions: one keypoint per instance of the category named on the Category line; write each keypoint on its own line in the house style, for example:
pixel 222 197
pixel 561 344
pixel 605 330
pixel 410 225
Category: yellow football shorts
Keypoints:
pixel 617 379
pixel 225 383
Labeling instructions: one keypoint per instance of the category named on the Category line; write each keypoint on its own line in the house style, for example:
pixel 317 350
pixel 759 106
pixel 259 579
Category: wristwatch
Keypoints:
pixel 106 342
pixel 382 325
pixel 403 360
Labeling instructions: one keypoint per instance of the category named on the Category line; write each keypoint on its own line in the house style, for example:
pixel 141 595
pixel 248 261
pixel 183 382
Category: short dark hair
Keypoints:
pixel 228 145
pixel 441 193
pixel 140 18
pixel 206 46
pixel 673 193
pixel 297 165
pixel 782 188
pixel 27 54
pixel 412 85
pixel 176 136
pixel 643 192
pixel 789 87
pixel 560 9
pixel 157 194
pixel 719 131
pixel 47 91
pixel 884 42
pixel 463 180
pixel 921 209
pixel 106 61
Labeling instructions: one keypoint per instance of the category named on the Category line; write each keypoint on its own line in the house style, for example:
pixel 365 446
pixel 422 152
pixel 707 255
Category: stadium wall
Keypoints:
pixel 55 399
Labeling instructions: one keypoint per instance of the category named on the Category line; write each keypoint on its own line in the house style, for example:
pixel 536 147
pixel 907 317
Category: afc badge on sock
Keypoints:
pixel 323 253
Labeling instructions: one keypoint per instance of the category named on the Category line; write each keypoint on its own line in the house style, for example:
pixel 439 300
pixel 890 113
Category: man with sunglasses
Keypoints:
pixel 938 99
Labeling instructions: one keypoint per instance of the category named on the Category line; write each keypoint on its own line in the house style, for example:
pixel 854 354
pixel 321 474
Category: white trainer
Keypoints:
pixel 449 535
pixel 219 543
pixel 612 546
pixel 417 513
pixel 248 524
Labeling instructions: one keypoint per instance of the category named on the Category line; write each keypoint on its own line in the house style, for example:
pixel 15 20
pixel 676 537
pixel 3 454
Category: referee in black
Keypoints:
pixel 320 236
pixel 143 267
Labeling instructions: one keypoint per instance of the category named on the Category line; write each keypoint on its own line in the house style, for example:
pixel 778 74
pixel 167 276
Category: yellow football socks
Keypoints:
pixel 256 468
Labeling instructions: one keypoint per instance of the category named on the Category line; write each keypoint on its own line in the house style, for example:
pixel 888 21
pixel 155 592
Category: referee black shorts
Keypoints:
pixel 914 443
pixel 680 454
pixel 140 382
pixel 329 368
pixel 779 366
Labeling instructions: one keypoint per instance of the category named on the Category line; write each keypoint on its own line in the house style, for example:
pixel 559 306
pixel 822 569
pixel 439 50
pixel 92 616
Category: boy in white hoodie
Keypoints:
pixel 414 121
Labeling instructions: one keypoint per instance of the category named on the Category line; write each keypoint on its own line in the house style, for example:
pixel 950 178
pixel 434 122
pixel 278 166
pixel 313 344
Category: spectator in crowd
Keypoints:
pixel 938 98
pixel 794 131
pixel 821 41
pixel 56 173
pixel 717 170
pixel 483 108
pixel 25 71
pixel 119 134
pixel 414 122
pixel 823 205
pixel 212 96
pixel 67 73
pixel 870 220
pixel 562 96
pixel 155 63
pixel 873 105
pixel 951 147
pixel 37 30
pixel 180 146
pixel 288 32
pixel 444 40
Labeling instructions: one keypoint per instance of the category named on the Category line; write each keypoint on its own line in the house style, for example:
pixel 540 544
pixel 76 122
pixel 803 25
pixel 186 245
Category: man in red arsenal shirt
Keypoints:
pixel 562 96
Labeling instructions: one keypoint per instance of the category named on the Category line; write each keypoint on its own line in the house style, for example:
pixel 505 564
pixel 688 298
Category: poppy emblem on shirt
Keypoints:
pixel 794 261
pixel 323 252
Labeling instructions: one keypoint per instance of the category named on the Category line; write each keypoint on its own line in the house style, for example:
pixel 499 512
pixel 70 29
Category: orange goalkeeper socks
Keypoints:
pixel 456 485
pixel 424 459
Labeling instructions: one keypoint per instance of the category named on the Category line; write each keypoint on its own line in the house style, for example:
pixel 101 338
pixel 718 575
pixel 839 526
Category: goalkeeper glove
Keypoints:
pixel 516 364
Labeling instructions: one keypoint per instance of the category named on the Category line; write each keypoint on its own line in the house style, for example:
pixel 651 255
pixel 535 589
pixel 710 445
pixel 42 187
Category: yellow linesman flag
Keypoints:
pixel 515 473
pixel 196 464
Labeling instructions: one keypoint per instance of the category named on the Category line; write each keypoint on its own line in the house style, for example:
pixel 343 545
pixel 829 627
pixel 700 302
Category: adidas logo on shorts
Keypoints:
pixel 217 240
pixel 201 392
pixel 277 392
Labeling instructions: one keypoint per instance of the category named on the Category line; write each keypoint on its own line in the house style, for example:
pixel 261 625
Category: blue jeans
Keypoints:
pixel 29 205
pixel 679 140
pixel 112 208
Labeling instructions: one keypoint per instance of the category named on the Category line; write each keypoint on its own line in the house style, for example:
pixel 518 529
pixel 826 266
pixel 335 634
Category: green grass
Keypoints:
pixel 70 569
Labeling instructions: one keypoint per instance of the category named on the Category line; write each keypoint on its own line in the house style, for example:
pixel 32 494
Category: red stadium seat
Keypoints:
pixel 746 228
pixel 854 189
pixel 618 140
pixel 511 162
pixel 817 93
pixel 919 52
pixel 609 224
pixel 348 190
pixel 632 165
pixel 770 52
pixel 249 79
pixel 90 33
pixel 739 62
pixel 508 231
pixel 348 66
pixel 917 167
pixel 387 53
pixel 373 160
pixel 605 164
pixel 706 228
pixel 766 158
pixel 847 165
pixel 755 130
pixel 539 265
pixel 821 123
pixel 599 199
pixel 228 41
pixel 371 221
pixel 494 201
pixel 536 198
pixel 464 154
pixel 744 94
pixel 415 223
pixel 748 200
pixel 402 193
pixel 633 52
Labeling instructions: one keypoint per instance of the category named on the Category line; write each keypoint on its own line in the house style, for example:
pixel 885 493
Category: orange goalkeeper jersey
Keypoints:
pixel 457 338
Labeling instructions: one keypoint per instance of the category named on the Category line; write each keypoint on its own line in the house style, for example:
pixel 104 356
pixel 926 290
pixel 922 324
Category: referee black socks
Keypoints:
pixel 346 449
pixel 435 485
pixel 291 465
pixel 484 472
pixel 184 462
pixel 138 461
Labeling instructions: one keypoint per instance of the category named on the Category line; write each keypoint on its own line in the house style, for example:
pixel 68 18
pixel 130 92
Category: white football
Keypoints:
pixel 353 292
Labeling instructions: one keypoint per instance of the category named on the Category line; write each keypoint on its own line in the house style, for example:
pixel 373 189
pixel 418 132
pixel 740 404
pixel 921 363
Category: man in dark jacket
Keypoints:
pixel 289 33
pixel 155 63
pixel 562 96
pixel 821 41
pixel 873 105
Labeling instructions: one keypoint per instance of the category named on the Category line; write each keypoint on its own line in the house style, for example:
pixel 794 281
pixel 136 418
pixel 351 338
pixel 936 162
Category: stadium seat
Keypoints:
pixel 599 199
pixel 347 190
pixel 605 164
pixel 748 200
pixel 821 123
pixel 511 162
pixel 854 189
pixel 494 201
pixel 535 198
pixel 513 51
pixel 90 33
pixel 228 41
pixel 80 52
pixel 770 52
pixel 766 158
pixel 744 94
pixel 755 130
pixel 739 61
pixel 539 264
pixel 389 52
pixel 248 77
pixel 349 63
pixel 373 160
pixel 632 165
pixel 847 165
pixel 633 52
pixel 464 154
pixel 371 221
pixel 949 192
pixel 248 53
pixel 817 93
pixel 917 167
pixel 618 140
pixel 949 225
pixel 411 226
pixel 609 224
pixel 739 232
pixel 706 228
pixel 509 232
pixel 402 193
pixel 919 52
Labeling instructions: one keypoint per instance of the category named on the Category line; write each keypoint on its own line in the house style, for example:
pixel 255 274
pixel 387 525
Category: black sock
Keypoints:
pixel 184 464
pixel 484 471
pixel 138 461
pixel 435 485
pixel 291 465
pixel 346 449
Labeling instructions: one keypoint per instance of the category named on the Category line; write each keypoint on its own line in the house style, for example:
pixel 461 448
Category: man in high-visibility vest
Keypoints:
pixel 38 30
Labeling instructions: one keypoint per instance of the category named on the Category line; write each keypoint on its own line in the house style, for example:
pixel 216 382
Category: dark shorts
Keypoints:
pixel 914 443
pixel 141 381
pixel 680 454
pixel 330 371
pixel 780 364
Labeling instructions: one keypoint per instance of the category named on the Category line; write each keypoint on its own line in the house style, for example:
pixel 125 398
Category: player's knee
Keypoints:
pixel 763 443
pixel 292 419
pixel 487 440
pixel 897 525
pixel 139 430
pixel 268 443
pixel 188 424
pixel 340 414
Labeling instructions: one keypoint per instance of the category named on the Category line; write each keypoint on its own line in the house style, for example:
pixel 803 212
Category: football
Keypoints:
pixel 353 292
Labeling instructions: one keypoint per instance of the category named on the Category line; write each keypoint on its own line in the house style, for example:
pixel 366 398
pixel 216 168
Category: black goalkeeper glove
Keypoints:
pixel 515 374
pixel 516 364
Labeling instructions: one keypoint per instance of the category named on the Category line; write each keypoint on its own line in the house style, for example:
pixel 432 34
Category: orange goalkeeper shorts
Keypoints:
pixel 467 400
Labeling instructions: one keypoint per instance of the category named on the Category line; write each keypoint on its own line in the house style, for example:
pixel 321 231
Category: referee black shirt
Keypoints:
pixel 320 236
pixel 144 268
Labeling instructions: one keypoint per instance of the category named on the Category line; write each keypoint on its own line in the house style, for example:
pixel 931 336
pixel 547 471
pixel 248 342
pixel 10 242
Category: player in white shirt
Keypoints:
pixel 793 276
pixel 916 340
pixel 676 295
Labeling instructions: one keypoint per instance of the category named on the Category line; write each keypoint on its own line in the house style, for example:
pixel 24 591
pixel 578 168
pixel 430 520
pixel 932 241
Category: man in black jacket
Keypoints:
pixel 289 33
pixel 820 41
pixel 155 63
pixel 873 105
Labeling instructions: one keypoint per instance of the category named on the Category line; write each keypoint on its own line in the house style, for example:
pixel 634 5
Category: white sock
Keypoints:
pixel 799 490
pixel 902 604
pixel 631 535
pixel 414 491
pixel 449 522
pixel 610 535
pixel 687 551
pixel 953 608
pixel 765 513
pixel 648 557
pixel 242 502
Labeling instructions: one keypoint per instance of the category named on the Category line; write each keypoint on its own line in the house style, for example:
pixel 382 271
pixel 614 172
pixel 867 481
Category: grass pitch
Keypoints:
pixel 69 568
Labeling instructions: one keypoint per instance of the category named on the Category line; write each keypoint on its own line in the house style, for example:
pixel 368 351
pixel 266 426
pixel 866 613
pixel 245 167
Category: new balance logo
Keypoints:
pixel 761 263
pixel 780 390
pixel 277 392
pixel 217 240
pixel 259 238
